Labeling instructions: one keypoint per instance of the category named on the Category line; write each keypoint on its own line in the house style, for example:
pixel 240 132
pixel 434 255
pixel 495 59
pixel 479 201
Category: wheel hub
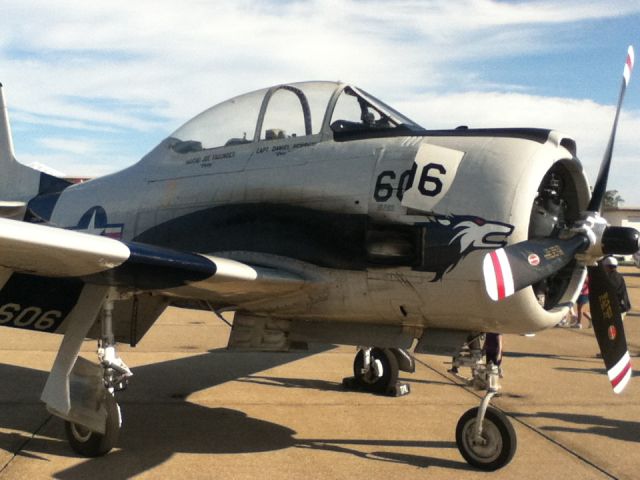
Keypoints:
pixel 488 446
pixel 82 434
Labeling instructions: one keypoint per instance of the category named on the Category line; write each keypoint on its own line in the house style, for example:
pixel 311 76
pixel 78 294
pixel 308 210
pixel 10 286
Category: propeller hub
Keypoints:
pixel 604 239
pixel 620 241
pixel 592 227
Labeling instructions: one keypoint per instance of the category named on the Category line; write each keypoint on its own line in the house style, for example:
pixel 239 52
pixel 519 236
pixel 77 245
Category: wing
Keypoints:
pixel 53 252
pixel 56 280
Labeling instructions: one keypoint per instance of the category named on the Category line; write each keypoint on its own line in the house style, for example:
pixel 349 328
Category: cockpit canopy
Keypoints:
pixel 287 111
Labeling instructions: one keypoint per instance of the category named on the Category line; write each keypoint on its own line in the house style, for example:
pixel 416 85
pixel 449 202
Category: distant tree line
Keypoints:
pixel 612 200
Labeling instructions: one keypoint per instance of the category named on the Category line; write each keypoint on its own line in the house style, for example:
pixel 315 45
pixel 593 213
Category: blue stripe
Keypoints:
pixel 151 267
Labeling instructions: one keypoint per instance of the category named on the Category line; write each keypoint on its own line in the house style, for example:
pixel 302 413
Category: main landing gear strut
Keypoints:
pixel 115 376
pixel 484 435
pixel 376 370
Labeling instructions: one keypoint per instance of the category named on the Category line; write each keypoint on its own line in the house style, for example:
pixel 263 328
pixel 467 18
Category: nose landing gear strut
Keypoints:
pixel 484 435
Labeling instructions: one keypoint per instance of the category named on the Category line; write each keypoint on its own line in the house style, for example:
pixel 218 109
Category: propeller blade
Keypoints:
pixel 517 266
pixel 608 327
pixel 603 175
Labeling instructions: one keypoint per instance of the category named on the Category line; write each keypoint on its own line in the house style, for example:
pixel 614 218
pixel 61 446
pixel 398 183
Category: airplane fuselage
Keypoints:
pixel 319 215
pixel 353 211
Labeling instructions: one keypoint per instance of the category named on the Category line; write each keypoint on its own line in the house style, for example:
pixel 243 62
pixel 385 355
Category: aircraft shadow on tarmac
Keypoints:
pixel 303 383
pixel 157 419
pixel 592 424
pixel 321 385
pixel 159 422
pixel 628 274
pixel 549 356
pixel 420 461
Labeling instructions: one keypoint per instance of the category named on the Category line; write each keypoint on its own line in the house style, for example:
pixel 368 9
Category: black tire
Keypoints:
pixel 497 432
pixel 389 370
pixel 92 444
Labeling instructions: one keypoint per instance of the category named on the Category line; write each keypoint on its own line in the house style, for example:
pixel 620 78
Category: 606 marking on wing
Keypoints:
pixel 14 315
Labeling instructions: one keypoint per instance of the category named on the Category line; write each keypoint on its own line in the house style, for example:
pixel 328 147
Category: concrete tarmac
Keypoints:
pixel 194 410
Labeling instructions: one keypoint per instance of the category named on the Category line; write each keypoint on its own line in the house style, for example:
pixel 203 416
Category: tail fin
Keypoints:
pixel 6 142
pixel 19 183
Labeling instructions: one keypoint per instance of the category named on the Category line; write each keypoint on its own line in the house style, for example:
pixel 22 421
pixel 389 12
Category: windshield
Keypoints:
pixel 357 111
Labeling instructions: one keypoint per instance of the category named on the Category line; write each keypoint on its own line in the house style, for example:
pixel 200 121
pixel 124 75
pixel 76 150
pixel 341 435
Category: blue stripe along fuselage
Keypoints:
pixel 326 239
pixel 342 241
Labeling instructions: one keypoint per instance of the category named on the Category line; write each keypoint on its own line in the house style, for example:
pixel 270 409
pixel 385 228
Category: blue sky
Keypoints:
pixel 93 86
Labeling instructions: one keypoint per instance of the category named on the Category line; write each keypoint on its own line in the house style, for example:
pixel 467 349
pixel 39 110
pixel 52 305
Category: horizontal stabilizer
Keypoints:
pixel 13 210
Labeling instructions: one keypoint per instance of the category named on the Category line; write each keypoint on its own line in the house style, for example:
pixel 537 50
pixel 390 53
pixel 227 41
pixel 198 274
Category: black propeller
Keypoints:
pixel 526 263
pixel 607 325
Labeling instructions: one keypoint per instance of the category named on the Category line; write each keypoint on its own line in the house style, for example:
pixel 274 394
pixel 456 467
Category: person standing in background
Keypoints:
pixel 493 350
pixel 581 302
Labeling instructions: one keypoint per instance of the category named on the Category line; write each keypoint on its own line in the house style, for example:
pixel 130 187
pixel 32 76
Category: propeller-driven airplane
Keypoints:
pixel 318 214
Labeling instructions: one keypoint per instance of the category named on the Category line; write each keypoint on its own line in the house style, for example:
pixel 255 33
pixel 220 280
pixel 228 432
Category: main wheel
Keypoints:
pixel 387 364
pixel 93 444
pixel 498 443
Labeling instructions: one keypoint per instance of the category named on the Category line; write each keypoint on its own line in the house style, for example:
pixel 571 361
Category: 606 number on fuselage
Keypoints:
pixel 429 184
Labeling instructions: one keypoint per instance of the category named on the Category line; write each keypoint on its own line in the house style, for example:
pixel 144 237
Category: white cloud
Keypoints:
pixel 155 51
pixel 114 68
pixel 68 146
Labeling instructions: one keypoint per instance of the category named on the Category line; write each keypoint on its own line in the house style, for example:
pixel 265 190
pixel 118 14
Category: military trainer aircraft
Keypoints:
pixel 318 214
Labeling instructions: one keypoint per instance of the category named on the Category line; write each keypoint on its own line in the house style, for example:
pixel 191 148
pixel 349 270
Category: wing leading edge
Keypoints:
pixel 53 252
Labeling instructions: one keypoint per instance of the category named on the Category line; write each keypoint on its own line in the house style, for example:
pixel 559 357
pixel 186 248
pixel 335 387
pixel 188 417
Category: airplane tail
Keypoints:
pixel 19 183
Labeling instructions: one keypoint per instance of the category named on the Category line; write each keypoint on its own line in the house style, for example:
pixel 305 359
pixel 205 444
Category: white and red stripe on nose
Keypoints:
pixel 498 278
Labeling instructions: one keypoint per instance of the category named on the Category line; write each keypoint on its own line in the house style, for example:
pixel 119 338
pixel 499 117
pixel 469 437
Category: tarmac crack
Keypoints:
pixel 23 445
pixel 533 428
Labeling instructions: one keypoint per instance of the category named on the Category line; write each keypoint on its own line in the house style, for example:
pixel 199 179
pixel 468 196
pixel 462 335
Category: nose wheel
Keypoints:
pixel 484 435
pixel 489 446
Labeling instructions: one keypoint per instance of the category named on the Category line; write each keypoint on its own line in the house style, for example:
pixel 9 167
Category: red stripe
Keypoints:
pixel 499 277
pixel 619 378
pixel 629 62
